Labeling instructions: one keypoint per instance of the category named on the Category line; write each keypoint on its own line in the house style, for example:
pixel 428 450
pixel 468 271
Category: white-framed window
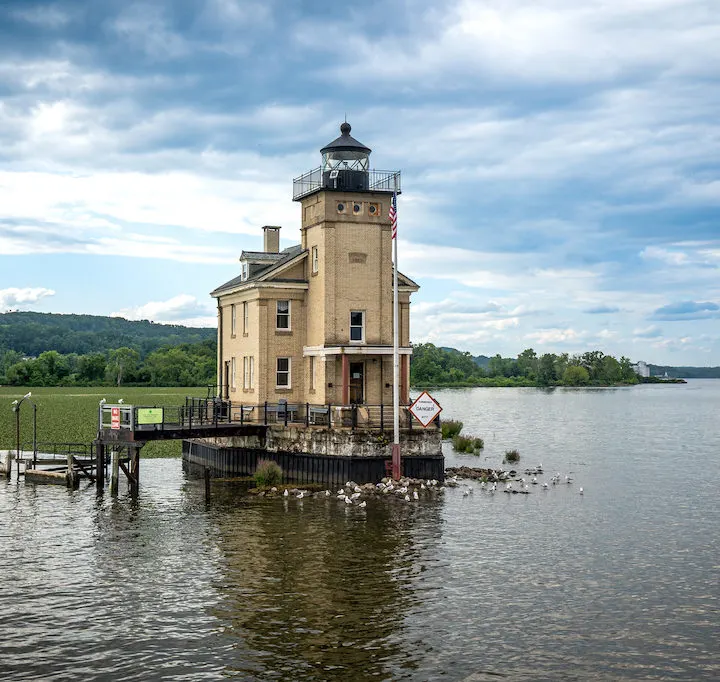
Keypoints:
pixel 243 271
pixel 315 259
pixel 282 374
pixel 357 326
pixel 252 372
pixel 233 373
pixel 233 319
pixel 246 317
pixel 312 372
pixel 246 373
pixel 283 315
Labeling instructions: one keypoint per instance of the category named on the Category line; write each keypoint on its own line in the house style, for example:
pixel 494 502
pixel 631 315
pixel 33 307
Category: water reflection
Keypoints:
pixel 313 589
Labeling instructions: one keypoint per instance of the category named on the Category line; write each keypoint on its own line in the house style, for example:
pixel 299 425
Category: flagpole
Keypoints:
pixel 396 358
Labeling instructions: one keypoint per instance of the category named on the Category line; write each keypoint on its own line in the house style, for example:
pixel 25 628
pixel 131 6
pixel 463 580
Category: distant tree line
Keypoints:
pixel 433 366
pixel 186 364
pixel 32 333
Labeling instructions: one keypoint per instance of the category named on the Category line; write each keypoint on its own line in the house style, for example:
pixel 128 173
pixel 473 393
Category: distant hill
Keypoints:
pixel 34 333
pixel 685 372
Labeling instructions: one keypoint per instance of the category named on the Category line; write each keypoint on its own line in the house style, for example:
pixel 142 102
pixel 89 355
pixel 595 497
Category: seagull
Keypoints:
pixel 465 493
pixel 348 500
pixel 357 489
pixel 363 504
pixel 27 395
pixel 103 401
pixel 545 486
pixel 422 486
pixel 568 479
pixel 407 498
pixel 286 493
pixel 341 496
pixel 493 488
pixel 534 481
pixel 415 495
pixel 121 401
pixel 301 494
pixel 341 491
pixel 581 491
pixel 354 496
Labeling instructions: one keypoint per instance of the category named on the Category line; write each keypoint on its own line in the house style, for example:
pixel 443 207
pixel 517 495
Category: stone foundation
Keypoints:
pixel 319 455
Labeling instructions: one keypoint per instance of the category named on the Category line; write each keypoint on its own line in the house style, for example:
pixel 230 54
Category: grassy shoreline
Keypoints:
pixel 69 414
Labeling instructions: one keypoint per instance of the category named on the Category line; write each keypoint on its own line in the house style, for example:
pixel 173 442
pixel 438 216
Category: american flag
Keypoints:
pixel 393 215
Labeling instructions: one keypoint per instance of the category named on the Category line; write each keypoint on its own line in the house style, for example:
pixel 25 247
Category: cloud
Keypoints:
pixel 11 297
pixel 182 309
pixel 602 310
pixel 651 332
pixel 688 310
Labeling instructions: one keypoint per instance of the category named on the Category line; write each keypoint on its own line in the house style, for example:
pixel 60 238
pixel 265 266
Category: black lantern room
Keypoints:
pixel 345 163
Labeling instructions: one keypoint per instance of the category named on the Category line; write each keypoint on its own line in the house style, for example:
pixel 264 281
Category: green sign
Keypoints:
pixel 150 415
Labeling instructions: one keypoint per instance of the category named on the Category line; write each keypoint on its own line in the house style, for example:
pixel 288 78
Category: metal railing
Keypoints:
pixel 208 412
pixel 313 180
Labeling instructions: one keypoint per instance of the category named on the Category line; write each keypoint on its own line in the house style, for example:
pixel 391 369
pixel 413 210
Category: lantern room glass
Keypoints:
pixel 339 159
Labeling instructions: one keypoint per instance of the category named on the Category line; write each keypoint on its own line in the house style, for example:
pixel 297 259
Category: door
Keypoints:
pixel 357 383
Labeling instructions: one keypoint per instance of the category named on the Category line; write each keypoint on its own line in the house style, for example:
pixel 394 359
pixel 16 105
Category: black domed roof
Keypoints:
pixel 345 142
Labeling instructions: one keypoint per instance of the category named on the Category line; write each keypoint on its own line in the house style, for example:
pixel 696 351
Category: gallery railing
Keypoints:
pixel 206 412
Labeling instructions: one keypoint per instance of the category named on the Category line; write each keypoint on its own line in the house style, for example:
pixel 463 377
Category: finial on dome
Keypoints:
pixel 345 128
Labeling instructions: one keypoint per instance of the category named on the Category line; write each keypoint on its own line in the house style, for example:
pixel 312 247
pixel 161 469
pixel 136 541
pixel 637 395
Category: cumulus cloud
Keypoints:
pixel 182 309
pixel 14 297
pixel 688 310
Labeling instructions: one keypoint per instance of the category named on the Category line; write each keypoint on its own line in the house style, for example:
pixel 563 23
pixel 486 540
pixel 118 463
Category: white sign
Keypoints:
pixel 425 409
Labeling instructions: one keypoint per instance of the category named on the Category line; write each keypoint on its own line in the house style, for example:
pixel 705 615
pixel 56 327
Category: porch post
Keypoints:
pixel 345 380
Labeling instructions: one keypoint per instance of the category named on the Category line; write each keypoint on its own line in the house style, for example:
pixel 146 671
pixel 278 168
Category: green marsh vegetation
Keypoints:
pixel 70 415
pixel 511 456
pixel 267 474
pixel 450 428
pixel 468 444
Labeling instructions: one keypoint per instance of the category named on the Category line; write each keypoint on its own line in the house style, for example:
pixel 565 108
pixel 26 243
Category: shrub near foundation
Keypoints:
pixel 267 474
pixel 450 428
pixel 469 444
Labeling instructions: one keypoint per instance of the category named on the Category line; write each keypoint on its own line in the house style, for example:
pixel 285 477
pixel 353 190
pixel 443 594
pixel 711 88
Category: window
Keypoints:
pixel 315 259
pixel 246 373
pixel 283 315
pixel 232 374
pixel 312 372
pixel 243 271
pixel 252 372
pixel 282 379
pixel 233 319
pixel 357 325
pixel 245 318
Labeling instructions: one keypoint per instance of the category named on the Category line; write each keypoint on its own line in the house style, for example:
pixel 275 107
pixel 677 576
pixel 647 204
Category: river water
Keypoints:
pixel 620 583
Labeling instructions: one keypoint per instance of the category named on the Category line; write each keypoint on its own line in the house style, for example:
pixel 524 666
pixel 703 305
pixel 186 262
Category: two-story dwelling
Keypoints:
pixel 313 323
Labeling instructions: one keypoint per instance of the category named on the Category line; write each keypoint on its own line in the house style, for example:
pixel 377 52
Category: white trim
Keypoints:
pixel 246 316
pixel 315 259
pixel 323 351
pixel 233 373
pixel 233 320
pixel 300 286
pixel 252 372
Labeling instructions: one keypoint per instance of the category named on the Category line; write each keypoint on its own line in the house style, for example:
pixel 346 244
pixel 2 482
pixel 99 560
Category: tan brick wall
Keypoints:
pixel 354 274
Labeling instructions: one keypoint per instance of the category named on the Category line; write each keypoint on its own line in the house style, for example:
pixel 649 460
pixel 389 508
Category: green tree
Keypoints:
pixel 576 375
pixel 121 364
pixel 611 371
pixel 546 369
pixel 527 363
pixel 91 367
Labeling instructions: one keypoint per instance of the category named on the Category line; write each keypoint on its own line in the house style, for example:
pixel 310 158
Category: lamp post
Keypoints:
pixel 16 409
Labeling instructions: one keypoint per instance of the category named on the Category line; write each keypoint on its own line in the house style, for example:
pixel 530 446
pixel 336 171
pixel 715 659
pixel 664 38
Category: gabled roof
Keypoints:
pixel 276 264
pixel 405 281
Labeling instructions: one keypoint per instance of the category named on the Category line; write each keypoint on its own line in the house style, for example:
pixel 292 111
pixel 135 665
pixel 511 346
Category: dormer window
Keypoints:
pixel 244 271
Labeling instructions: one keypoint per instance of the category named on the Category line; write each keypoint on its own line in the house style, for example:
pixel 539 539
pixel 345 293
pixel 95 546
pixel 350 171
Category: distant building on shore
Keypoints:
pixel 641 368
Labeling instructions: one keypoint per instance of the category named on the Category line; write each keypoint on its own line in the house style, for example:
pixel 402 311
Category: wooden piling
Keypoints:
pixel 115 474
pixel 99 466
pixel 207 484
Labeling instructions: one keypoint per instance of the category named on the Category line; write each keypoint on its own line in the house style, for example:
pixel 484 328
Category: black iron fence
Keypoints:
pixel 202 412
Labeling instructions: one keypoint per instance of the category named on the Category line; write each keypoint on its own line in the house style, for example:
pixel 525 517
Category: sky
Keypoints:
pixel 560 160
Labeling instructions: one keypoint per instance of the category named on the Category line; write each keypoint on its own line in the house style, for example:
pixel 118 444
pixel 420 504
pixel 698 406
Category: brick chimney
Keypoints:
pixel 271 240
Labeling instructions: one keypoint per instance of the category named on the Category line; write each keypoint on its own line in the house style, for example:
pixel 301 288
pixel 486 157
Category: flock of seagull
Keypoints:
pixel 522 486
pixel 409 490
